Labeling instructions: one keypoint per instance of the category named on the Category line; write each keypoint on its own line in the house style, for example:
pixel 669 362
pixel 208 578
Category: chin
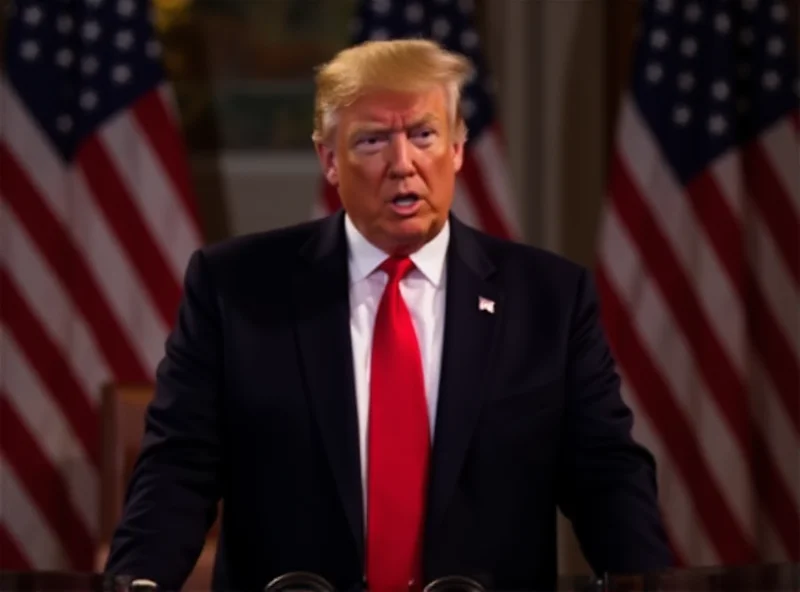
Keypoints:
pixel 411 232
pixel 414 226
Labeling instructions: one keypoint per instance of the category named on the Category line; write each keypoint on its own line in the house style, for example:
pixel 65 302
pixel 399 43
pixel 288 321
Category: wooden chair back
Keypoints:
pixel 122 410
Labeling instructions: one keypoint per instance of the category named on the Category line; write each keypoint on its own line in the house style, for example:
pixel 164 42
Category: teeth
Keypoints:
pixel 405 201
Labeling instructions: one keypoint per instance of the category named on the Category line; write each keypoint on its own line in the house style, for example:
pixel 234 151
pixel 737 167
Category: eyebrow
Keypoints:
pixel 375 127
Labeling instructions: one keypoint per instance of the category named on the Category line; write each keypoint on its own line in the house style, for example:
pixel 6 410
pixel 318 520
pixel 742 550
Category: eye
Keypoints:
pixel 370 141
pixel 423 135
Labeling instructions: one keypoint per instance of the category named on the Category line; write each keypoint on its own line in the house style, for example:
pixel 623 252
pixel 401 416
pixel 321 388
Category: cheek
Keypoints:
pixel 441 169
pixel 371 170
pixel 441 157
pixel 440 177
pixel 365 167
pixel 360 178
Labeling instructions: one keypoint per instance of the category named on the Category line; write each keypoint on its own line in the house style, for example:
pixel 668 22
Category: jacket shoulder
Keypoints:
pixel 512 258
pixel 271 251
pixel 285 240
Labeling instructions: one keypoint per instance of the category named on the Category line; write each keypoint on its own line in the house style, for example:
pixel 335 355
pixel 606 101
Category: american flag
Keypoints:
pixel 483 197
pixel 699 272
pixel 98 222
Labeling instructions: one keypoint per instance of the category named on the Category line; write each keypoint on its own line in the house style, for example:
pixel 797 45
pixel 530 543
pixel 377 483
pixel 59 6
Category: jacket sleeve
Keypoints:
pixel 172 497
pixel 607 486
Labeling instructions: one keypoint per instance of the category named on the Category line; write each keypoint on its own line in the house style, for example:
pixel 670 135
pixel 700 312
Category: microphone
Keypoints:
pixel 305 581
pixel 454 584
pixel 299 581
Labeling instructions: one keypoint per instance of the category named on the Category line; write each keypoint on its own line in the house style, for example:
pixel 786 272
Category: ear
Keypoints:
pixel 327 159
pixel 458 154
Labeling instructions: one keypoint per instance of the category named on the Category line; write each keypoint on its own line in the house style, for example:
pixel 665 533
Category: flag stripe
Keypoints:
pixel 158 126
pixel 700 261
pixel 776 499
pixel 777 428
pixel 678 221
pixel 781 440
pixel 45 486
pixel 727 239
pixel 724 384
pixel 144 328
pixel 74 274
pixel 687 539
pixel 489 154
pixel 719 224
pixel 118 206
pixel 771 549
pixel 670 355
pixel 21 142
pixel 46 358
pixel 462 205
pixel 480 198
pixel 57 440
pixel 782 148
pixel 11 556
pixel 35 538
pixel 726 176
pixel 777 357
pixel 772 200
pixel 659 404
pixel 40 287
pixel 151 191
pixel 677 504
pixel 99 227
pixel 678 293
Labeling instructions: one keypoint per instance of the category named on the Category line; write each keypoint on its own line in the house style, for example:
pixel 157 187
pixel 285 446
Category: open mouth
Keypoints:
pixel 405 200
pixel 406 205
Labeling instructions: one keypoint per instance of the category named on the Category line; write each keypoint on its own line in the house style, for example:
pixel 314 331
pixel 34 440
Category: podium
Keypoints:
pixel 782 577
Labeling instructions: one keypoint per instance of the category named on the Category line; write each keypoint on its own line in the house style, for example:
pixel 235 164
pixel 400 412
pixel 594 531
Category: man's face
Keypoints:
pixel 394 158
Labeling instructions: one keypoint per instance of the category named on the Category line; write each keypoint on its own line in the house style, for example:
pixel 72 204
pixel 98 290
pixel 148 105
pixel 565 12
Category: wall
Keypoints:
pixel 572 150
pixel 261 191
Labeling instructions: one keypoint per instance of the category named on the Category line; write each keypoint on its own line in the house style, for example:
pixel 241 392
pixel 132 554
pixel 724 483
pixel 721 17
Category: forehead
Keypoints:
pixel 393 107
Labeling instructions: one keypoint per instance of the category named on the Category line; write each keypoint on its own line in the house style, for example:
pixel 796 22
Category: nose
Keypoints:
pixel 400 159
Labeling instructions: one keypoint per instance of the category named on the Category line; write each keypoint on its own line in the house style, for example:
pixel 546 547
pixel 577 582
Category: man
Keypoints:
pixel 386 396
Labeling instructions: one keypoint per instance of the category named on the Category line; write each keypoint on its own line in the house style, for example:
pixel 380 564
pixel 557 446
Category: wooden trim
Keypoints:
pixel 116 400
pixel 621 20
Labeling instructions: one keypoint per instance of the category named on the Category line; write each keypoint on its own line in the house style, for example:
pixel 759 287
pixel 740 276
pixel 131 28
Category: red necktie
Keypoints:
pixel 398 443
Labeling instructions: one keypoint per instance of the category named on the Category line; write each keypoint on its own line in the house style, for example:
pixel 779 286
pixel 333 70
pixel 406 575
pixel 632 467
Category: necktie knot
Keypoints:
pixel 397 268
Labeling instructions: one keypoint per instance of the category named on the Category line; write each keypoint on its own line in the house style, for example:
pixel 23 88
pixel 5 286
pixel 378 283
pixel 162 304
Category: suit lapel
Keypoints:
pixel 322 321
pixel 470 334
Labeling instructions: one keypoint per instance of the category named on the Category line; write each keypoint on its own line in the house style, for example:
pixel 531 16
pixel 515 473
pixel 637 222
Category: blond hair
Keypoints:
pixel 404 65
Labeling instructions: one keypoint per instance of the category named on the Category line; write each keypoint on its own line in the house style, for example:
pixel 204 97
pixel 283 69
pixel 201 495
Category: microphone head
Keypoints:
pixel 299 581
pixel 454 584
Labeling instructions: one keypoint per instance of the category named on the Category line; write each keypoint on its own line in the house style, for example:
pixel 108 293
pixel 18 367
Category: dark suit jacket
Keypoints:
pixel 255 405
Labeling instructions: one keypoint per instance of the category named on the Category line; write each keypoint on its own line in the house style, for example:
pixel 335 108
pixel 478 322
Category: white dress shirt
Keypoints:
pixel 423 290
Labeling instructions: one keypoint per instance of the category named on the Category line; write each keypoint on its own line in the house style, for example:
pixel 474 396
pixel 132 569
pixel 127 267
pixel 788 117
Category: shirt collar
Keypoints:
pixel 364 257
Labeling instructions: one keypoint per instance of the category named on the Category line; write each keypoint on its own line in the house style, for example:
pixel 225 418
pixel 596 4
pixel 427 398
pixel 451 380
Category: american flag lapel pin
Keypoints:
pixel 485 304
